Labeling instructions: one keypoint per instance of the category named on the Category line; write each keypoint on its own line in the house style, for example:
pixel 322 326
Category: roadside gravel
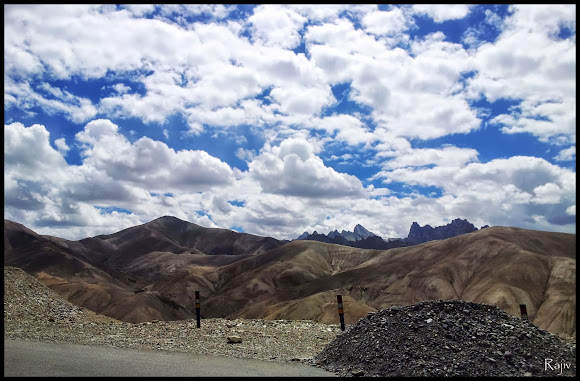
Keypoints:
pixel 34 312
pixel 434 338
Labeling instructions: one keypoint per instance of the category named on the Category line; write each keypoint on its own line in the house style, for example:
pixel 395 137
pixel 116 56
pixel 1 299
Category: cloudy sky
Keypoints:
pixel 279 119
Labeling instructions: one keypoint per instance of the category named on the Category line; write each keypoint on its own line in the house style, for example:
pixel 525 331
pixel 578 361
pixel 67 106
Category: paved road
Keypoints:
pixel 31 358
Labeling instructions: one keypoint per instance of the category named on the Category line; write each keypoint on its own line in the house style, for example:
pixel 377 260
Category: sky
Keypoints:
pixel 276 119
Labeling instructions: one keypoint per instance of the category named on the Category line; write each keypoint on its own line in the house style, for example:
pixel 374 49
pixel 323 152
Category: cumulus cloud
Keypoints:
pixel 518 187
pixel 385 23
pixel 61 145
pixel 150 164
pixel 276 68
pixel 568 154
pixel 529 64
pixel 44 190
pixel 19 142
pixel 275 25
pixel 21 95
pixel 346 128
pixel 446 157
pixel 292 169
pixel 442 12
pixel 140 9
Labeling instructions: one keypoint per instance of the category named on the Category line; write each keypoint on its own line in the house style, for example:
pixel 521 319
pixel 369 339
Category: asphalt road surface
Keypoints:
pixel 30 358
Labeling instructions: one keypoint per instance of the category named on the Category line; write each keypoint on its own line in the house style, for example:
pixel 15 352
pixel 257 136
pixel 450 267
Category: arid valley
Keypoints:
pixel 151 272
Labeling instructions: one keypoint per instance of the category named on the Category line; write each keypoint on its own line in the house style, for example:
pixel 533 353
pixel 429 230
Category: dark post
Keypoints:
pixel 340 311
pixel 523 311
pixel 197 308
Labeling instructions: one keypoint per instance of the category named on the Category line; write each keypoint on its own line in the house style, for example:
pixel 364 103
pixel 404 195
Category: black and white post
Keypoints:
pixel 197 308
pixel 340 311
pixel 524 311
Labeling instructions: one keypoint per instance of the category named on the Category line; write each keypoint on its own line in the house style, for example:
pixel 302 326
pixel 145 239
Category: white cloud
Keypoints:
pixel 518 187
pixel 292 169
pixel 140 10
pixel 411 96
pixel 529 64
pixel 385 23
pixel 442 12
pixel 277 26
pixel 61 145
pixel 21 95
pixel 446 157
pixel 121 88
pixel 182 11
pixel 20 142
pixel 148 163
pixel 43 189
pixel 548 193
pixel 348 129
pixel 321 12
pixel 297 100
pixel 568 154
pixel 220 74
pixel 493 18
pixel 342 35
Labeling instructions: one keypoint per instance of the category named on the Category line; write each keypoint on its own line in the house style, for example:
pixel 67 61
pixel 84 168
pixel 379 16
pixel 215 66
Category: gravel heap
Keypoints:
pixel 447 338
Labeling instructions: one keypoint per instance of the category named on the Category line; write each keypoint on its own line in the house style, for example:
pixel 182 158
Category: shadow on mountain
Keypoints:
pixel 151 272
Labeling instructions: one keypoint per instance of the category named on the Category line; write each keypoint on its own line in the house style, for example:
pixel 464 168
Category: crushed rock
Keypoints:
pixel 446 338
pixel 33 312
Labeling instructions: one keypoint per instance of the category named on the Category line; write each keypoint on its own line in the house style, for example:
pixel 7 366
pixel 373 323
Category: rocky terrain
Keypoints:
pixel 364 239
pixel 436 338
pixel 34 312
pixel 151 272
pixel 447 338
pixel 418 234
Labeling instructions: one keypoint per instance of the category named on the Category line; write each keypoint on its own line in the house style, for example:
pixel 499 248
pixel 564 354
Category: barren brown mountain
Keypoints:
pixel 151 272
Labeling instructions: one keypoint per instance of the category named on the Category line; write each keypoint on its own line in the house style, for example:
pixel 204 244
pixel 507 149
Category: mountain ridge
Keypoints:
pixel 362 238
pixel 503 266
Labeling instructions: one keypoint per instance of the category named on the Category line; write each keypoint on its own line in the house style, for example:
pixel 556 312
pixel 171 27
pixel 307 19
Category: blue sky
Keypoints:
pixel 278 119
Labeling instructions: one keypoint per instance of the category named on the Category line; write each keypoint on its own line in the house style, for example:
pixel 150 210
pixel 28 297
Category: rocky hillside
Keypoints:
pixel 27 302
pixel 427 233
pixel 435 338
pixel 34 312
pixel 364 239
pixel 500 266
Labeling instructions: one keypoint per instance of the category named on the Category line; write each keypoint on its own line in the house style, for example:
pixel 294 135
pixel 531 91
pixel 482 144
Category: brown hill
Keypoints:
pixel 113 274
pixel 117 276
pixel 500 266
pixel 172 235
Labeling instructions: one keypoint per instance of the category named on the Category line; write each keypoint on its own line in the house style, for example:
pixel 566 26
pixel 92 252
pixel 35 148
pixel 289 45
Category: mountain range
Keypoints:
pixel 358 234
pixel 151 272
pixel 362 238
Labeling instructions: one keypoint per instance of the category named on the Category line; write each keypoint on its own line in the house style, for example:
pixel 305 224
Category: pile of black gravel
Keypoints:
pixel 447 338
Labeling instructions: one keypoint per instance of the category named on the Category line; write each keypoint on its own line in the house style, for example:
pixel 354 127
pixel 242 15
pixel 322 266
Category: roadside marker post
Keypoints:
pixel 340 311
pixel 524 311
pixel 197 309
